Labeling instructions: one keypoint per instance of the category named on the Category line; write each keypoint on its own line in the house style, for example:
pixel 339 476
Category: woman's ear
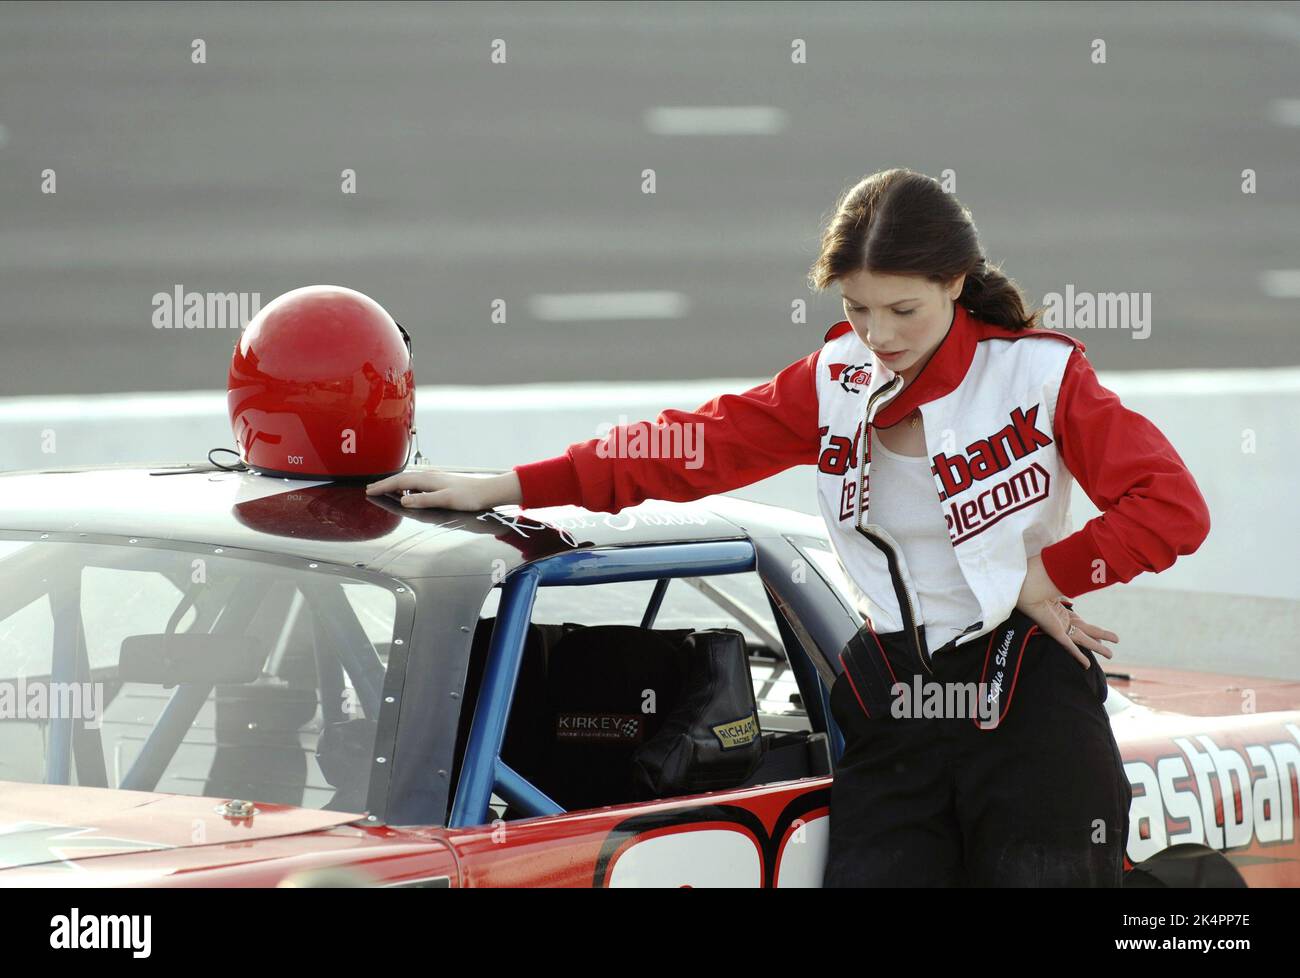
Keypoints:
pixel 953 288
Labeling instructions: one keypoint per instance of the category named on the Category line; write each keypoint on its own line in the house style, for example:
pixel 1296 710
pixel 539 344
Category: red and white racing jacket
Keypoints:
pixel 1010 418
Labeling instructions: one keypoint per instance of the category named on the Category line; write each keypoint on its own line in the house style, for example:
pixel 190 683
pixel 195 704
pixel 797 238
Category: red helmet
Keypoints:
pixel 321 387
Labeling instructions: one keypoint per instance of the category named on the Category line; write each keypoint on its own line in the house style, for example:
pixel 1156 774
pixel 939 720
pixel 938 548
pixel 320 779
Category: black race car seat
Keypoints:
pixel 634 714
pixel 607 690
pixel 711 739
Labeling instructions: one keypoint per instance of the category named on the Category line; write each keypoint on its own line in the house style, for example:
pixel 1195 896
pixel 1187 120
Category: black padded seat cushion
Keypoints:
pixel 710 740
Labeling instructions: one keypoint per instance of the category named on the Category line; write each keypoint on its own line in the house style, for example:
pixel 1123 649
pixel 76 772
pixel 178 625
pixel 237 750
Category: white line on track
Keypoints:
pixel 602 306
pixel 715 120
pixel 1285 112
pixel 582 394
pixel 1282 283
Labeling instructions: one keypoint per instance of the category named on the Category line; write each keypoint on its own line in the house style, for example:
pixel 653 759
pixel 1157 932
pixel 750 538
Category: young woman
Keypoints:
pixel 946 429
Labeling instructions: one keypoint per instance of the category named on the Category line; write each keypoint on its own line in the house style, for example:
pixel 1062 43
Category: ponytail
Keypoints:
pixel 993 298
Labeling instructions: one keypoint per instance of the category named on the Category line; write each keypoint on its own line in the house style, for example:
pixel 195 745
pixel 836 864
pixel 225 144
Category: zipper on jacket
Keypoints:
pixel 903 596
pixel 901 593
pixel 880 392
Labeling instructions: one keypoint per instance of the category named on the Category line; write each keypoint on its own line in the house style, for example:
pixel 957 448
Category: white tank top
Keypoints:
pixel 904 502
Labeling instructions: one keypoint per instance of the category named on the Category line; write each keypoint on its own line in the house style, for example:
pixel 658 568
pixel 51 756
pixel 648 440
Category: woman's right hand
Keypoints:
pixel 433 488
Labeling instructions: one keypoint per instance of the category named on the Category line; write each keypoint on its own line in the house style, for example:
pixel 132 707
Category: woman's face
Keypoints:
pixel 899 314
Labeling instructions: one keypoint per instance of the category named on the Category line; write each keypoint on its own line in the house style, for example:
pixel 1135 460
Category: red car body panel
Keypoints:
pixel 1202 694
pixel 771 835
pixel 105 821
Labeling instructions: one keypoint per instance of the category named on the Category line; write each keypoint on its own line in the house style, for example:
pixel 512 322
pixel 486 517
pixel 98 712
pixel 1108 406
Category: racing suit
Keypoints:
pixel 1010 419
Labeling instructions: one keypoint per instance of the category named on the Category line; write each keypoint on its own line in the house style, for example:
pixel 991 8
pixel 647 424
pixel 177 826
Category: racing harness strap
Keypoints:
pixel 869 672
pixel 1006 649
pixel 873 672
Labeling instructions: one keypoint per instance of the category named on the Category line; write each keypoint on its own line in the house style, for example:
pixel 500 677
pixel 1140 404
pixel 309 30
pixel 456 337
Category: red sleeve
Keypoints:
pixel 1151 508
pixel 741 439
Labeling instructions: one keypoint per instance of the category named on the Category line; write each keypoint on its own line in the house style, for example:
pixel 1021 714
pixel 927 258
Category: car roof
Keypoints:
pixel 198 503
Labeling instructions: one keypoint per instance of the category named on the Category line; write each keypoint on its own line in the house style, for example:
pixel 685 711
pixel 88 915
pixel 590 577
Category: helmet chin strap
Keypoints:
pixel 239 465
pixel 419 459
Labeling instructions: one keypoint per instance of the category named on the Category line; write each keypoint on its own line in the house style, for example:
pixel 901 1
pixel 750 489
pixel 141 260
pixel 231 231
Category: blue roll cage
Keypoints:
pixel 483 772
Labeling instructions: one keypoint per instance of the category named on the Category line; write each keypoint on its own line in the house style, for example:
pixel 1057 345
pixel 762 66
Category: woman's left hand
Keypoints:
pixel 1040 600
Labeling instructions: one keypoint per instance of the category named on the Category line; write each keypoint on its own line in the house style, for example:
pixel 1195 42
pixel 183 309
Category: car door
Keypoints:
pixel 769 830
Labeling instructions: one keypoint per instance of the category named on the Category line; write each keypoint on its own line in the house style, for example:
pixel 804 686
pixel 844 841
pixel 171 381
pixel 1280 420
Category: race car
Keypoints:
pixel 220 678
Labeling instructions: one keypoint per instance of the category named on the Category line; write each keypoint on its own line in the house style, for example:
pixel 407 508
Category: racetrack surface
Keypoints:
pixel 480 182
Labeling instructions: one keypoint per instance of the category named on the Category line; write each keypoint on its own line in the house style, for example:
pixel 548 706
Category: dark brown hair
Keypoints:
pixel 900 222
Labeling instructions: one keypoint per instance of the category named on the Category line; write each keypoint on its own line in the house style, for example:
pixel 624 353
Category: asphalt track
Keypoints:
pixel 521 182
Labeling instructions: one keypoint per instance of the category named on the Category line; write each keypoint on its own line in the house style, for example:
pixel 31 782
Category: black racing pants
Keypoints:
pixel 1039 799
